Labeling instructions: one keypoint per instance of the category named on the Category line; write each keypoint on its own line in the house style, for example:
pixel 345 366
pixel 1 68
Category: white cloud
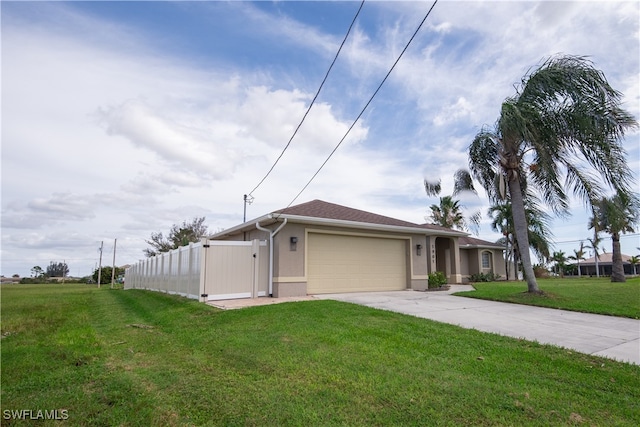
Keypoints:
pixel 462 109
pixel 109 132
pixel 174 143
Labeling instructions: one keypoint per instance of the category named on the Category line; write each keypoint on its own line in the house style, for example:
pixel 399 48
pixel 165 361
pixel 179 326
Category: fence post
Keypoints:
pixel 203 269
pixel 255 262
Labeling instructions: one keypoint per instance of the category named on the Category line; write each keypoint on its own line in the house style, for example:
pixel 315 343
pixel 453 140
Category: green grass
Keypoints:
pixel 136 358
pixel 588 295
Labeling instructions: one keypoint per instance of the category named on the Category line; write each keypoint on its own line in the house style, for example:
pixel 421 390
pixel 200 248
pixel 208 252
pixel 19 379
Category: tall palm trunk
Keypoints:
pixel 521 232
pixel 617 269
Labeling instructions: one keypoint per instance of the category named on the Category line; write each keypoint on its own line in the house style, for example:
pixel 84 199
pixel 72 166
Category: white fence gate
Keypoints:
pixel 207 270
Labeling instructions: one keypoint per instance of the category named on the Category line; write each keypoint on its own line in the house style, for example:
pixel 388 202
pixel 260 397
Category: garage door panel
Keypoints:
pixel 339 263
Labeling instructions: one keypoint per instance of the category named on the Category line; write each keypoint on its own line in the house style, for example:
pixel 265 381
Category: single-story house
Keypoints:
pixel 320 247
pixel 605 262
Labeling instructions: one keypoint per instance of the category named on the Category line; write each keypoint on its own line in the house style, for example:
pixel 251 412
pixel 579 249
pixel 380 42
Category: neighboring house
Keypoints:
pixel 480 256
pixel 320 247
pixel 588 266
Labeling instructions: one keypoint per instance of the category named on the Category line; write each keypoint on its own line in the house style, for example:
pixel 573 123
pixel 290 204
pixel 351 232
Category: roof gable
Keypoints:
pixel 326 210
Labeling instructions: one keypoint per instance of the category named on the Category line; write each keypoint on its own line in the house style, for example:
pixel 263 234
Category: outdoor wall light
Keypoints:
pixel 419 249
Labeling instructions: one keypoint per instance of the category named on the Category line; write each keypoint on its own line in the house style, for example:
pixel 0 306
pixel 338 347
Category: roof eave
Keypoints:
pixel 499 247
pixel 245 226
pixel 369 226
pixel 251 224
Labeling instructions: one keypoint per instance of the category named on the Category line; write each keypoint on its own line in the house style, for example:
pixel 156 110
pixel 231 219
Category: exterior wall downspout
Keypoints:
pixel 271 234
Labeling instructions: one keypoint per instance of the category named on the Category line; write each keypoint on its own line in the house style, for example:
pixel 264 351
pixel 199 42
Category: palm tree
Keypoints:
pixel 593 244
pixel 615 215
pixel 578 255
pixel 449 212
pixel 560 259
pixel 564 117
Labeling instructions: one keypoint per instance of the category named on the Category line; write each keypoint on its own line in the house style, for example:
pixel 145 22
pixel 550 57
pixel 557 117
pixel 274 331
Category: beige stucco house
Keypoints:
pixel 320 247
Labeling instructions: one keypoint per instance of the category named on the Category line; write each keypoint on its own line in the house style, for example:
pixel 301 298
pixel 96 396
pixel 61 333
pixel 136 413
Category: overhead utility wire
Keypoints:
pixel 313 100
pixel 366 105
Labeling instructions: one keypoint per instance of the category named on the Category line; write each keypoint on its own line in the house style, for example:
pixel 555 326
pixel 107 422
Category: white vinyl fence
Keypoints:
pixel 207 270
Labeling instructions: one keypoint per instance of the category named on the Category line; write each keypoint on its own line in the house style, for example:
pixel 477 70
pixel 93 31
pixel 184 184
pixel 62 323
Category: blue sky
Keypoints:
pixel 120 119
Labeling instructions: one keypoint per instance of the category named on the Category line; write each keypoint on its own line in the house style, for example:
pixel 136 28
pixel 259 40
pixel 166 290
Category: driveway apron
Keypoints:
pixel 607 336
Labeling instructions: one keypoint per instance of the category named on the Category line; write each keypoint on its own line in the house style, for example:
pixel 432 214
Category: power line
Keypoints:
pixel 622 236
pixel 366 105
pixel 310 105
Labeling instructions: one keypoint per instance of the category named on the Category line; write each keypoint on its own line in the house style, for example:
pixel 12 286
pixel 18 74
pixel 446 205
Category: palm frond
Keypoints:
pixel 463 182
pixel 483 160
pixel 432 188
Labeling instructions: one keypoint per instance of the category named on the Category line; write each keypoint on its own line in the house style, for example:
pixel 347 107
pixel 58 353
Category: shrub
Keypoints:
pixel 484 277
pixel 540 271
pixel 437 279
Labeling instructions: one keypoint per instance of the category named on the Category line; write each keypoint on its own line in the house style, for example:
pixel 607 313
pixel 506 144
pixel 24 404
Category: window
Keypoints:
pixel 486 260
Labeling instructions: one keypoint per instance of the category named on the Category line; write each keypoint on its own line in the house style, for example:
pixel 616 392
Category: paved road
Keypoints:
pixel 607 336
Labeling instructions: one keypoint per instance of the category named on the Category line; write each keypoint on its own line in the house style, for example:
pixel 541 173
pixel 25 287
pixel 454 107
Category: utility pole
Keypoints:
pixel 248 199
pixel 113 269
pixel 100 264
pixel 64 265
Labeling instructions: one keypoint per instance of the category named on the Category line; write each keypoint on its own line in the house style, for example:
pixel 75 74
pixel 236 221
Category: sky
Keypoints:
pixel 120 119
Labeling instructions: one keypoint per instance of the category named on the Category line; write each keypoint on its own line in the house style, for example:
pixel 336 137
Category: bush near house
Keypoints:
pixel 437 280
pixel 484 277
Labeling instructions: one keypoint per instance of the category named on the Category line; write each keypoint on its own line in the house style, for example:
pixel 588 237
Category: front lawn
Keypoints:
pixel 589 295
pixel 136 358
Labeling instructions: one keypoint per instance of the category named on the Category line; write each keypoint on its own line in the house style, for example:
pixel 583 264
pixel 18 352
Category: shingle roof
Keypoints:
pixel 605 258
pixel 322 209
pixel 472 241
pixel 326 210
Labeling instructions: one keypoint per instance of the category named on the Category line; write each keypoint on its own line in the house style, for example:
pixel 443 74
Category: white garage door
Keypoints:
pixel 339 263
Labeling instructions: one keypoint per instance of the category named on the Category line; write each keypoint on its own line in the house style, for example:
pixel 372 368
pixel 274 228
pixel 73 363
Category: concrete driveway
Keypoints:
pixel 607 336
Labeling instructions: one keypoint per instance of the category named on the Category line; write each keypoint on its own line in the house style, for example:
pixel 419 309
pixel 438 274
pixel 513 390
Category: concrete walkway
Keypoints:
pixel 607 336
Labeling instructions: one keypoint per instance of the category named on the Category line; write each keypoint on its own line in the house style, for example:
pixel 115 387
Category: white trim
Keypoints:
pixel 370 226
pixel 238 295
pixel 289 279
pixel 357 234
pixel 338 223
pixel 234 243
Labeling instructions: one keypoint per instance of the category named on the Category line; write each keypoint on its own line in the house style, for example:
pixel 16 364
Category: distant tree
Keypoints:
pixel 594 243
pixel 15 276
pixel 448 213
pixel 560 259
pixel 37 272
pixel 578 255
pixel 57 269
pixel 105 277
pixel 179 235
pixel 615 215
